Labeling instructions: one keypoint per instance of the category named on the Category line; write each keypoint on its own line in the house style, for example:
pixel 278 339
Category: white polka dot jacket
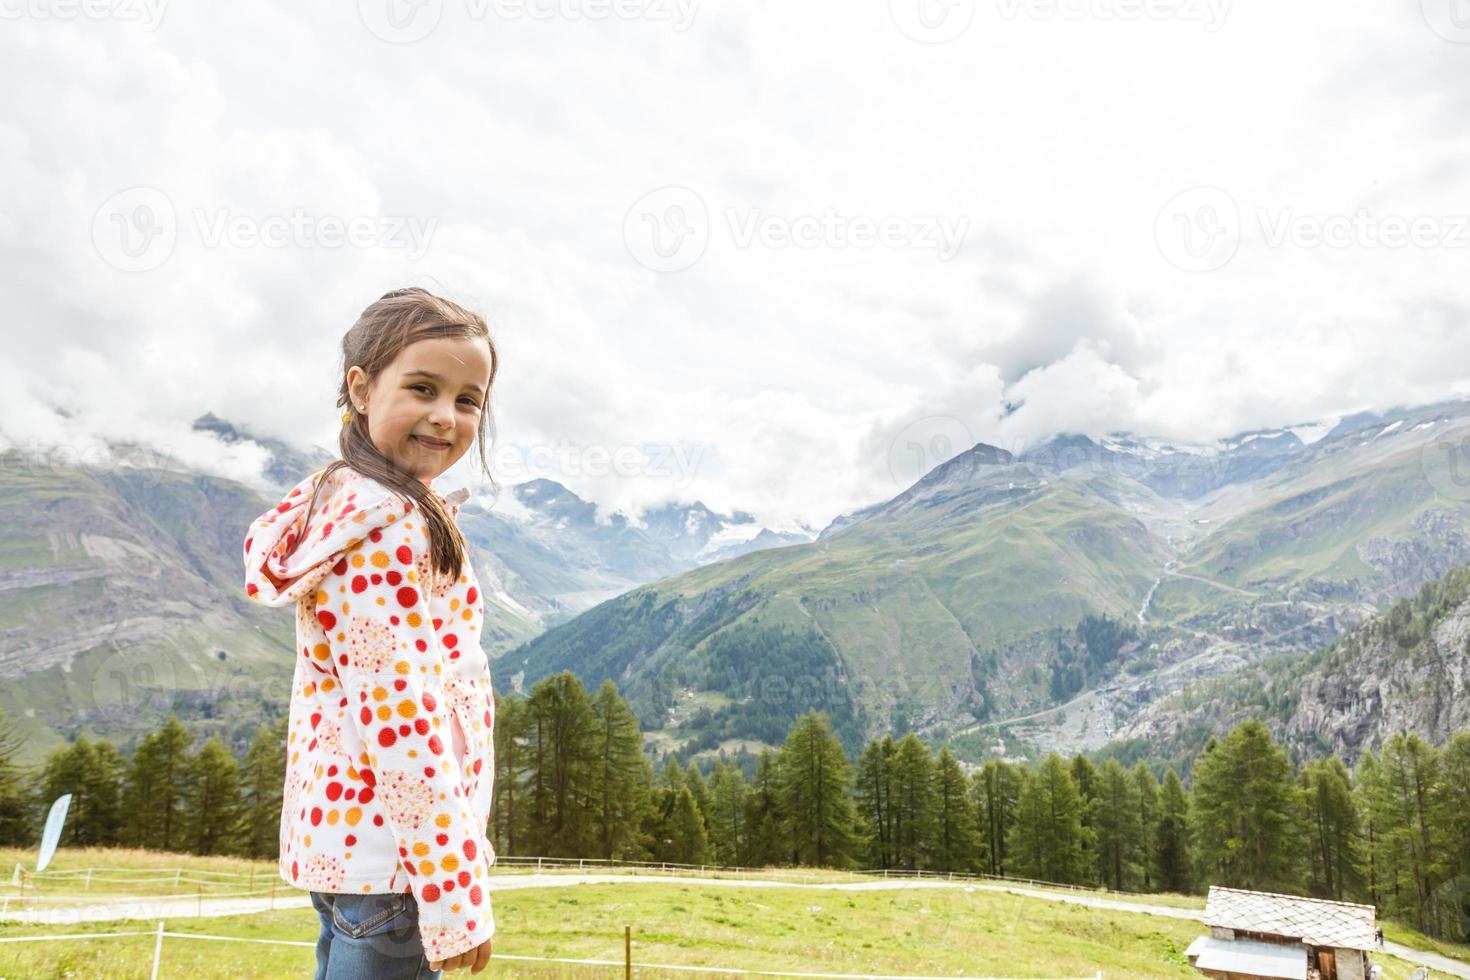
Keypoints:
pixel 390 756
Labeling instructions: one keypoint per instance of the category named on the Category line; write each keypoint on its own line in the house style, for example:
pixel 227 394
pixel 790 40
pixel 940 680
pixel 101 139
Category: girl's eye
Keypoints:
pixel 467 400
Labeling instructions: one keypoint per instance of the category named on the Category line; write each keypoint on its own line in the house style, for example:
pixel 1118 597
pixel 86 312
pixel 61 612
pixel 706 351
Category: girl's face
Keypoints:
pixel 423 409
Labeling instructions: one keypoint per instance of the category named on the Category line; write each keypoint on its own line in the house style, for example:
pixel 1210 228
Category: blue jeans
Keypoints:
pixel 370 937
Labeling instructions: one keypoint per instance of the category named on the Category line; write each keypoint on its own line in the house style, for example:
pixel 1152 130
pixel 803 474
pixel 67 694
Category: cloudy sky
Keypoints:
pixel 779 256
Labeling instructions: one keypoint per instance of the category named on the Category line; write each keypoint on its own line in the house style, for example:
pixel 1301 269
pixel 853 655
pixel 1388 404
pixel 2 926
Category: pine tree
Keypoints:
pixel 1403 799
pixel 874 797
pixel 623 781
pixel 1048 841
pixel 956 841
pixel 154 788
pixel 16 825
pixel 727 815
pixel 996 789
pixel 1245 811
pixel 913 804
pixel 1085 775
pixel 562 755
pixel 1454 801
pixel 764 818
pixel 510 810
pixel 214 800
pixel 1116 824
pixel 91 773
pixel 690 843
pixel 263 779
pixel 1331 830
pixel 813 777
pixel 1147 788
pixel 699 789
pixel 1172 860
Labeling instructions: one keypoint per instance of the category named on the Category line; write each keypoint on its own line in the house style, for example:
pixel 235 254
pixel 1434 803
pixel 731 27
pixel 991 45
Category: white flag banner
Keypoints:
pixel 52 834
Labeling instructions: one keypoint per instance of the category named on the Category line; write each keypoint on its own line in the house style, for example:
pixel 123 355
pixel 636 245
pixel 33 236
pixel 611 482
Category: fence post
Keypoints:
pixel 157 951
pixel 273 894
pixel 201 899
pixel 627 953
pixel 88 885
pixel 177 872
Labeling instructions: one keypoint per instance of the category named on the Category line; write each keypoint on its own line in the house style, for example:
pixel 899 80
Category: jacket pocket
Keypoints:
pixel 361 916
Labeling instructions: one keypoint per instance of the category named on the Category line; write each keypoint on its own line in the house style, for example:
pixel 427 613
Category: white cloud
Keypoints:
pixel 805 374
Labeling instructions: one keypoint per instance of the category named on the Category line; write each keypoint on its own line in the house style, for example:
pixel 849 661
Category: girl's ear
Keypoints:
pixel 357 385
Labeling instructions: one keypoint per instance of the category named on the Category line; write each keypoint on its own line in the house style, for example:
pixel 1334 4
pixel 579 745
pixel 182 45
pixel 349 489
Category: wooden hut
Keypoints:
pixel 1282 937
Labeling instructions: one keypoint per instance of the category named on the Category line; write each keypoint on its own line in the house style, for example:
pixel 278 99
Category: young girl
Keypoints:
pixel 390 754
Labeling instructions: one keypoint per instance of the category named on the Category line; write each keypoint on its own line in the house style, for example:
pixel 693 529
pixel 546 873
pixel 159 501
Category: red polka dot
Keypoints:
pixel 472 595
pixel 352 841
pixel 405 554
pixel 464 879
pixel 430 893
pixel 408 597
pixel 367 716
pixel 359 583
pixel 394 576
pixel 436 745
pixel 441 839
pixel 451 641
pixel 476 897
pixel 386 737
pixel 316 815
pixel 429 701
pixel 469 849
pixel 366 796
pixel 325 617
pixel 334 791
pixel 421 725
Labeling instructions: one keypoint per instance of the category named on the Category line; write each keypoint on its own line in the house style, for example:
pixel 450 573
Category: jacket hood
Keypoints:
pixel 285 559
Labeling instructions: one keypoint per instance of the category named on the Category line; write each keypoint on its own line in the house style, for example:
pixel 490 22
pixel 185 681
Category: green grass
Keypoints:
pixel 919 931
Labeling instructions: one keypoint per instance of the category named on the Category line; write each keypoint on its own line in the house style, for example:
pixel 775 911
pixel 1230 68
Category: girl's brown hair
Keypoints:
pixel 386 327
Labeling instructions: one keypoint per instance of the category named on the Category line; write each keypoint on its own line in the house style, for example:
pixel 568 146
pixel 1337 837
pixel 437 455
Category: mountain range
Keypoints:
pixel 1088 592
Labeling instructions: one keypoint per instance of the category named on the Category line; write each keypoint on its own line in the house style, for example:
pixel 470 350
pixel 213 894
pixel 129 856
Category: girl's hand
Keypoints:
pixel 476 959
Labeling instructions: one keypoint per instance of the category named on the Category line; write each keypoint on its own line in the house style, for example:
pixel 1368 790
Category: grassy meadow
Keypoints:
pixel 918 931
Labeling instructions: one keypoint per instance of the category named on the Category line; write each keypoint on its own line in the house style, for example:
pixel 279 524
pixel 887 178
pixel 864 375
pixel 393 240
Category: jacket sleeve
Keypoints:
pixel 387 654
